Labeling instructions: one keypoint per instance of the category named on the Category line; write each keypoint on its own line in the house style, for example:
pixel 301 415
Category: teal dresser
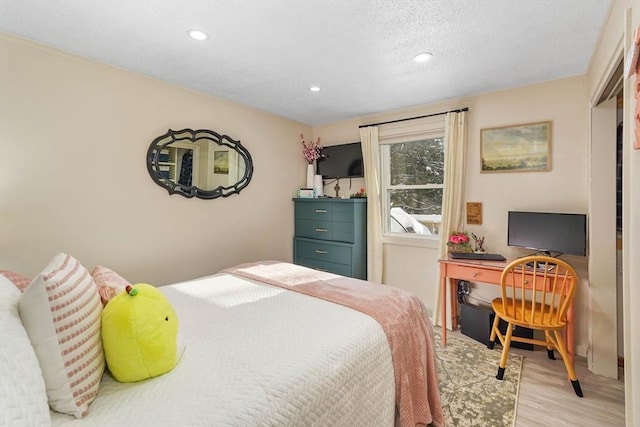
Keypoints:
pixel 331 235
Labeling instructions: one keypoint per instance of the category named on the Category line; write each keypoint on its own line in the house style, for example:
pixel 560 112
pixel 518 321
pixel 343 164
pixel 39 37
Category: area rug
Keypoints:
pixel 470 393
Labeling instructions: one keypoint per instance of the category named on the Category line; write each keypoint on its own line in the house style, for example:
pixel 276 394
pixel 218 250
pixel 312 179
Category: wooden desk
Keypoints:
pixel 484 272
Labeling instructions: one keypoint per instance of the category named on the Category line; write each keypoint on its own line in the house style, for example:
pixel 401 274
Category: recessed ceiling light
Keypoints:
pixel 314 89
pixel 197 35
pixel 423 57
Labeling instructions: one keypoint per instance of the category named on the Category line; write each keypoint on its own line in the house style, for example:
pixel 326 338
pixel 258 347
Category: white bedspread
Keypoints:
pixel 257 355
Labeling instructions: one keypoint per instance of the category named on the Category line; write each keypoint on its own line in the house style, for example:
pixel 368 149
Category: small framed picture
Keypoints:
pixel 474 213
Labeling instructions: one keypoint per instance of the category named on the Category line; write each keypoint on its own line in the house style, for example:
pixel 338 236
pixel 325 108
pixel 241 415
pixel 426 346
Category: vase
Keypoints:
pixel 318 185
pixel 310 173
pixel 460 248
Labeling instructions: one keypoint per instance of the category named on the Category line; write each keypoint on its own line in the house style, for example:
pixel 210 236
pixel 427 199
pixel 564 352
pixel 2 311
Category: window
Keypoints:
pixel 412 185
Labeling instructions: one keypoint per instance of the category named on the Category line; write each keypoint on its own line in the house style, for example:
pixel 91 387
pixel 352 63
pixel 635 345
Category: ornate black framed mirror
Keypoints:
pixel 199 163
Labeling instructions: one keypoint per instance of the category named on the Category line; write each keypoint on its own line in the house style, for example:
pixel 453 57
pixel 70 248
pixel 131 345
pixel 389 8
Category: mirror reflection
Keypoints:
pixel 199 163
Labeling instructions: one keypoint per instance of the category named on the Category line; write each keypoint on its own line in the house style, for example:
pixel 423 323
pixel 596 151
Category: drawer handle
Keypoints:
pixel 474 275
pixel 321 269
pixel 318 251
pixel 321 211
pixel 321 230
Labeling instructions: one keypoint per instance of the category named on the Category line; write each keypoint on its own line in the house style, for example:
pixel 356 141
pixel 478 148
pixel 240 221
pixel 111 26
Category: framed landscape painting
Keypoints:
pixel 221 162
pixel 518 148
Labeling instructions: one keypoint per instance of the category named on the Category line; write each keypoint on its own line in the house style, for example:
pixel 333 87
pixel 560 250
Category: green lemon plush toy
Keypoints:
pixel 139 334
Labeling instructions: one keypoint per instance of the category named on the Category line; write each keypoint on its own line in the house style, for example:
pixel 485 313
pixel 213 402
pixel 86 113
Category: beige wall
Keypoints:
pixel 74 133
pixel 73 139
pixel 616 39
pixel 563 189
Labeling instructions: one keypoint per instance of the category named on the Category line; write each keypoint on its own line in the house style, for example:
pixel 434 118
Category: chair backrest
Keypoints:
pixel 538 290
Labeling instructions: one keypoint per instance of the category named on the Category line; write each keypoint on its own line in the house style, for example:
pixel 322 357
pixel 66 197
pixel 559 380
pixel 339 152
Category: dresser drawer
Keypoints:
pixel 331 230
pixel 343 232
pixel 343 213
pixel 331 267
pixel 323 230
pixel 322 211
pixel 328 211
pixel 321 251
pixel 303 210
pixel 304 228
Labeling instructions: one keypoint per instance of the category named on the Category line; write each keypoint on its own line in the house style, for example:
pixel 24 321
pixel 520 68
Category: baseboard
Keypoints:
pixel 581 350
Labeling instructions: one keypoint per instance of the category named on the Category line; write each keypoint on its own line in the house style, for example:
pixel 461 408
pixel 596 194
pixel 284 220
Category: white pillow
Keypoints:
pixel 60 311
pixel 23 399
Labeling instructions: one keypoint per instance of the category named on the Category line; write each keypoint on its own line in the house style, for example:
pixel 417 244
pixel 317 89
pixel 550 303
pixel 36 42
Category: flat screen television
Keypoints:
pixel 545 232
pixel 341 161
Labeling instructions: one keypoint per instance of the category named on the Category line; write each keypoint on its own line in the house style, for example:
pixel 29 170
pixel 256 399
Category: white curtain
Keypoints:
pixel 455 139
pixel 371 158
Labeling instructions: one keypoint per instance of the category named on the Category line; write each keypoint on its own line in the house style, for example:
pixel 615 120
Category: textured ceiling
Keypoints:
pixel 267 53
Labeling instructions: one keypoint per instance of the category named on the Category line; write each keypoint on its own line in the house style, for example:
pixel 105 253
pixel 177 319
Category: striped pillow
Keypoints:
pixel 21 282
pixel 61 312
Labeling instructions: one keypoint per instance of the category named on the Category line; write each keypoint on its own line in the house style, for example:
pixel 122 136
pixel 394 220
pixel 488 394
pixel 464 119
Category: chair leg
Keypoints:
pixel 494 328
pixel 505 351
pixel 550 353
pixel 568 363
pixel 577 388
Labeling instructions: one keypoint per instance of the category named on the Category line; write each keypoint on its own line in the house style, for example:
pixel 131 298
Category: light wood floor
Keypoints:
pixel 547 399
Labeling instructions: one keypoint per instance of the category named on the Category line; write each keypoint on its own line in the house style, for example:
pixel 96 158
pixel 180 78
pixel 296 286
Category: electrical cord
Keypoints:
pixel 463 291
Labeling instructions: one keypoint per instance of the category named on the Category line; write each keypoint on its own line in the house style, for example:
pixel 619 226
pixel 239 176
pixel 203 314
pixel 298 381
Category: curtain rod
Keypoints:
pixel 414 118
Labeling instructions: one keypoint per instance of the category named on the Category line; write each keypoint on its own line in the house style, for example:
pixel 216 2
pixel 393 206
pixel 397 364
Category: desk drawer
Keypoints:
pixel 474 274
pixel 528 281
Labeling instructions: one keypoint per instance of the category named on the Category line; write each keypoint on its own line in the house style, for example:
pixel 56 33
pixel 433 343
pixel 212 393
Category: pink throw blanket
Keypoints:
pixel 401 315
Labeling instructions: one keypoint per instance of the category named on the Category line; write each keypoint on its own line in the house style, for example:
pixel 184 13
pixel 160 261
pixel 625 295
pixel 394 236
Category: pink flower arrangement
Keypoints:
pixel 458 238
pixel 459 242
pixel 311 150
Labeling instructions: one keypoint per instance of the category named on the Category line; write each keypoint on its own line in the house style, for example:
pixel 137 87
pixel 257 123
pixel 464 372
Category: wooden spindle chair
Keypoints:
pixel 539 300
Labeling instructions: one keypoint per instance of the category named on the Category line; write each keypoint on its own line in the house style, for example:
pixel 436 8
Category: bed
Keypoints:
pixel 274 344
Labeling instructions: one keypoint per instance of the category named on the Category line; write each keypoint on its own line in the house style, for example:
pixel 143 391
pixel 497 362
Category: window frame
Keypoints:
pixel 397 134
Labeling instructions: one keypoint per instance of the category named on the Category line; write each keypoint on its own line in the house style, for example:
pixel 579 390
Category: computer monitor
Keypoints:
pixel 548 232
